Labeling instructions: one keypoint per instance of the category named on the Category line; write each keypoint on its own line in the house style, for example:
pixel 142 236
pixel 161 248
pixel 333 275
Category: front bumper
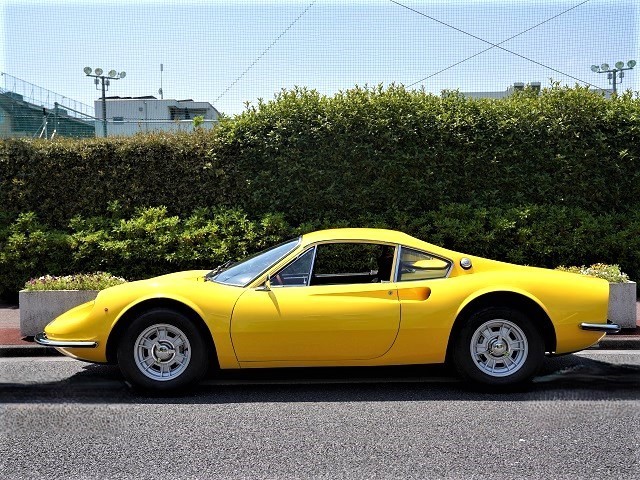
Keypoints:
pixel 608 327
pixel 42 339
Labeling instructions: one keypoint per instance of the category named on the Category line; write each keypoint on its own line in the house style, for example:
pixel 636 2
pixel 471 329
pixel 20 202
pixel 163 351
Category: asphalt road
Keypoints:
pixel 580 419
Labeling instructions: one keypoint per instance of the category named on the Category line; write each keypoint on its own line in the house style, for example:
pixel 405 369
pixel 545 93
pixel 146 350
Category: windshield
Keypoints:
pixel 242 273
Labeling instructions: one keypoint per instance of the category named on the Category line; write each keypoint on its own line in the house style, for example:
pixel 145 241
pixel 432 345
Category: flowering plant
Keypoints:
pixel 610 273
pixel 80 281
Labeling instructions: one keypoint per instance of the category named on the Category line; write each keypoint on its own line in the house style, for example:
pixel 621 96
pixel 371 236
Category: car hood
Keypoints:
pixel 192 275
pixel 161 281
pixel 207 299
pixel 180 285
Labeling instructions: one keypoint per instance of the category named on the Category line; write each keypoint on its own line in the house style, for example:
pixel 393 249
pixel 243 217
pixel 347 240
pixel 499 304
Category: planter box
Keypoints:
pixel 622 304
pixel 38 308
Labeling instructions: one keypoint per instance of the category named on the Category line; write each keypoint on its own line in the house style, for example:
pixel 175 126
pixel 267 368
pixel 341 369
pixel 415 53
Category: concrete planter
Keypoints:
pixel 37 308
pixel 622 304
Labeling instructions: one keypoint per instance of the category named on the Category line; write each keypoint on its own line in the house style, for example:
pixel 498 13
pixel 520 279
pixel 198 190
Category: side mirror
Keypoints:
pixel 266 286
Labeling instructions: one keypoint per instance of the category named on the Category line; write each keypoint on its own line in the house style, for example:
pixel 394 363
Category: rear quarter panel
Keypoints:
pixel 567 299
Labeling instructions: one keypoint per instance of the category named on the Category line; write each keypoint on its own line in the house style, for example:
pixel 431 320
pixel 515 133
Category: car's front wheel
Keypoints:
pixel 498 347
pixel 162 350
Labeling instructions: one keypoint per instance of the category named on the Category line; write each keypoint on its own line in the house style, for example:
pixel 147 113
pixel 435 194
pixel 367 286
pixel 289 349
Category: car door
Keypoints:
pixel 316 314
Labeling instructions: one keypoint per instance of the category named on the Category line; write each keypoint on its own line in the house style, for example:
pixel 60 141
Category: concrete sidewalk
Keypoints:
pixel 13 344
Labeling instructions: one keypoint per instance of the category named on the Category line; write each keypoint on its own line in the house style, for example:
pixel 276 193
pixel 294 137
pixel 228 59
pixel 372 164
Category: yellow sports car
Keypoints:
pixel 343 297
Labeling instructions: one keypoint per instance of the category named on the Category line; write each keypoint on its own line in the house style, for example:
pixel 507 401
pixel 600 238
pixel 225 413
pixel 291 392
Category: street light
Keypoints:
pixel 613 74
pixel 105 81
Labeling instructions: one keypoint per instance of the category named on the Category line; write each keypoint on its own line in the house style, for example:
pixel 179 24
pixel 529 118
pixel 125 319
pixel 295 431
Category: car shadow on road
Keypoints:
pixel 568 377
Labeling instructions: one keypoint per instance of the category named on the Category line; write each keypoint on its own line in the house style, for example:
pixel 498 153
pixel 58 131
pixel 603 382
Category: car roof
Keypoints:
pixel 372 234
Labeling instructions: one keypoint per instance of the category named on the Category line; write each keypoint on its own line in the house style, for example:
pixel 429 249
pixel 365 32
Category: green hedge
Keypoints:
pixel 153 242
pixel 375 151
pixel 541 180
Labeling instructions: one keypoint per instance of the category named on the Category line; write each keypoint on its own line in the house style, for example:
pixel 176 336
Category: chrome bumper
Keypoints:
pixel 601 327
pixel 42 339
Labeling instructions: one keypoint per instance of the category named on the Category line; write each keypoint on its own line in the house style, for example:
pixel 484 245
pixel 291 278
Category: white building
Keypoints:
pixel 130 115
pixel 505 93
pixel 521 86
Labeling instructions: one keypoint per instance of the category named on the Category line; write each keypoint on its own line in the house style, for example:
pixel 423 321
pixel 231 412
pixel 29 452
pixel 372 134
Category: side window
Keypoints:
pixel 297 273
pixel 417 265
pixel 345 263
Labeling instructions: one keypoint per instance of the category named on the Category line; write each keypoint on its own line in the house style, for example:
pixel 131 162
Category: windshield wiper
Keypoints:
pixel 218 269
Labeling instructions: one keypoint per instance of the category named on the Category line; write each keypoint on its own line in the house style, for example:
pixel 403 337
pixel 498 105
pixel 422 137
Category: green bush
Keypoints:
pixel 81 281
pixel 362 152
pixel 152 242
pixel 30 249
pixel 148 243
pixel 610 273
pixel 542 180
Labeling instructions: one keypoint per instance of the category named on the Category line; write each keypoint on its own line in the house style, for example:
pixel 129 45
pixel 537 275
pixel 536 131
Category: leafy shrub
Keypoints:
pixel 543 180
pixel 360 153
pixel 29 248
pixel 150 242
pixel 153 242
pixel 610 273
pixel 82 281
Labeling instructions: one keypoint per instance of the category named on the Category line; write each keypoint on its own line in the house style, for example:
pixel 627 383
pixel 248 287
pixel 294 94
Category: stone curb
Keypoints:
pixel 619 343
pixel 27 351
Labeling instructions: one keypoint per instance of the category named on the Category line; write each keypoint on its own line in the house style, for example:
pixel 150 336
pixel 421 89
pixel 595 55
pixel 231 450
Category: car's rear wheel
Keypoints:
pixel 498 347
pixel 162 350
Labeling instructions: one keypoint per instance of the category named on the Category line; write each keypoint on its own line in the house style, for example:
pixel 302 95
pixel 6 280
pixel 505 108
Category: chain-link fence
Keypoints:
pixel 27 110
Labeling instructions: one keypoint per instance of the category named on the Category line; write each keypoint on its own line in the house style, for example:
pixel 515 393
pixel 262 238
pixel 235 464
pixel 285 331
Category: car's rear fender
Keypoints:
pixel 506 297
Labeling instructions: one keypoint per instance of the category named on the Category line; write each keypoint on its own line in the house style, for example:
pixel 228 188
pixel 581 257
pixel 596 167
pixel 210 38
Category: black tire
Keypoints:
pixel 514 348
pixel 175 355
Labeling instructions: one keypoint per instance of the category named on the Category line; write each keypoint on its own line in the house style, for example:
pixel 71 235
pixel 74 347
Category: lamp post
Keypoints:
pixel 613 74
pixel 105 80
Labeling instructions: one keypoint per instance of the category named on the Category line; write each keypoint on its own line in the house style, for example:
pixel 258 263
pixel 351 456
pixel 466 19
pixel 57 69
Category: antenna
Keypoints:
pixel 160 91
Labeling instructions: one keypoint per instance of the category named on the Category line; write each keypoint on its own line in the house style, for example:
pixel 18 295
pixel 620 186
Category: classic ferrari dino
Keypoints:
pixel 343 297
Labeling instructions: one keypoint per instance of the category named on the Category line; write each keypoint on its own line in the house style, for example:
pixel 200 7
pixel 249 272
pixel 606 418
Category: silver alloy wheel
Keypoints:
pixel 162 352
pixel 499 348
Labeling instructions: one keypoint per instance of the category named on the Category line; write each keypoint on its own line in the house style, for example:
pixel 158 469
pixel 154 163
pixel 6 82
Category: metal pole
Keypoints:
pixel 104 110
pixel 612 78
